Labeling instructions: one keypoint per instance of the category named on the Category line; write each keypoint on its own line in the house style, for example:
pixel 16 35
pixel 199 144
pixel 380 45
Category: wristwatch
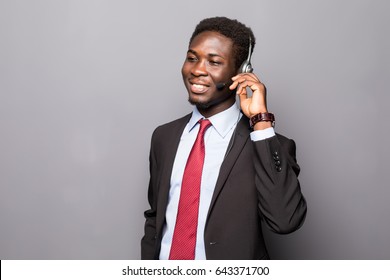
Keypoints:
pixel 262 117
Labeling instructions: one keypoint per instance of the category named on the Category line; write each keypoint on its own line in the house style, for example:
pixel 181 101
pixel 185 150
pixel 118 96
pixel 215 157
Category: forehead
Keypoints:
pixel 212 42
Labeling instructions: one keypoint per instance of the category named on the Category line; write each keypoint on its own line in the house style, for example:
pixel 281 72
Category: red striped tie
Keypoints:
pixel 184 236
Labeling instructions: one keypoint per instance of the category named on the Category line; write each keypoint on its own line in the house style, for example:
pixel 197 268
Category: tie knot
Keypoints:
pixel 204 124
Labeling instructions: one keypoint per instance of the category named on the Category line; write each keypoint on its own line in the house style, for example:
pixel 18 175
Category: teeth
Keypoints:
pixel 199 86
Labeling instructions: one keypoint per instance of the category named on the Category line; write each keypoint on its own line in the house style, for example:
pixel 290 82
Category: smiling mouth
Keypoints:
pixel 198 88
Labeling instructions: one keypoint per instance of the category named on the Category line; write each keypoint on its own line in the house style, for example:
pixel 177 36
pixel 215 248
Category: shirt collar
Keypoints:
pixel 222 122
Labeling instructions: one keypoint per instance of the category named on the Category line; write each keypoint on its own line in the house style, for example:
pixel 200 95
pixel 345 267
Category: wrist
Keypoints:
pixel 262 125
pixel 261 111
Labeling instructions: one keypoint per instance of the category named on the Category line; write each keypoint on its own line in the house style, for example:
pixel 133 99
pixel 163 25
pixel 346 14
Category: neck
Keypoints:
pixel 213 109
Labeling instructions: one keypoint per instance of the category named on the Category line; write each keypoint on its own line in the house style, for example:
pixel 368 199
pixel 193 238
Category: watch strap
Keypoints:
pixel 261 117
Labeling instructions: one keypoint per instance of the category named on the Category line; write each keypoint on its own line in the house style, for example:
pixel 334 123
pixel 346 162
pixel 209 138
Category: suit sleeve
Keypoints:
pixel 281 202
pixel 148 242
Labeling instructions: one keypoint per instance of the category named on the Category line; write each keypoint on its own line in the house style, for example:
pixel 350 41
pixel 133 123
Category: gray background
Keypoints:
pixel 84 83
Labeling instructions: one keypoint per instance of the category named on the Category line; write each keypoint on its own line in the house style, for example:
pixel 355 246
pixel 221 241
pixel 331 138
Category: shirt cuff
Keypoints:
pixel 259 135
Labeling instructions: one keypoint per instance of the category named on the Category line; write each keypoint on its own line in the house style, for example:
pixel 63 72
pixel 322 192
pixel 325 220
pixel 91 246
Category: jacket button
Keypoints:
pixel 213 243
pixel 277 162
pixel 278 169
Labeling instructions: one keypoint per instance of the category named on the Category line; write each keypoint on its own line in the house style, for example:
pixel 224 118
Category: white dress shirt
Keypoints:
pixel 217 139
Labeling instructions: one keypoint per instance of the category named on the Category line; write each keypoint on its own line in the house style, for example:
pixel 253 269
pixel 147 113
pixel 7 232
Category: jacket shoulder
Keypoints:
pixel 165 131
pixel 174 123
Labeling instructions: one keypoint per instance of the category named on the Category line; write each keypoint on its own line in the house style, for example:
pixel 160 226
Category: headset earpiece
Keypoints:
pixel 246 66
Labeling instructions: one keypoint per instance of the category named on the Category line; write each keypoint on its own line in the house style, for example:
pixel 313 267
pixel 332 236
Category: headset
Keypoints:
pixel 246 66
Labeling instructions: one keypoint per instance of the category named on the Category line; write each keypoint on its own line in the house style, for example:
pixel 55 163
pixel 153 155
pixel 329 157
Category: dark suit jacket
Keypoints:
pixel 257 182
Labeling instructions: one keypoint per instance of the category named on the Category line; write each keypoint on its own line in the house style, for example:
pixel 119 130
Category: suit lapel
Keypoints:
pixel 237 143
pixel 173 139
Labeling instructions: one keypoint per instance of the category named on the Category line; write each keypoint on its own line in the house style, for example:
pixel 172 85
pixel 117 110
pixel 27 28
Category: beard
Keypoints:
pixel 208 104
pixel 200 105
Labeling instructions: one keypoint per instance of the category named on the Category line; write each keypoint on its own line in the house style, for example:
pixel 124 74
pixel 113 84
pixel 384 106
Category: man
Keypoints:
pixel 244 174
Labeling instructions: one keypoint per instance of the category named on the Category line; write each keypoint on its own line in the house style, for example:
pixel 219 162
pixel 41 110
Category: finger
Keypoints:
pixel 243 79
pixel 241 89
pixel 243 97
pixel 257 87
pixel 239 85
pixel 252 77
pixel 259 95
pixel 247 76
pixel 258 98
pixel 254 86
pixel 233 85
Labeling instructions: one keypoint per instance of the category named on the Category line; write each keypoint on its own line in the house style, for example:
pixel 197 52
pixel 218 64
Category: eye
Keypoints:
pixel 191 58
pixel 215 62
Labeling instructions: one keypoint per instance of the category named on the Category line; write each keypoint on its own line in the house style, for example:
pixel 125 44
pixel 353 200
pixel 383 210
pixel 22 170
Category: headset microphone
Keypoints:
pixel 221 86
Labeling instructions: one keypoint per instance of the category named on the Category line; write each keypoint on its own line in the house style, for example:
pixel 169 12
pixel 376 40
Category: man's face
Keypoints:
pixel 209 62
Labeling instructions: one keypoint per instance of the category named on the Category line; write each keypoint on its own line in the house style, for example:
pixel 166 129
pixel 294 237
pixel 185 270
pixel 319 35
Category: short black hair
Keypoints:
pixel 233 29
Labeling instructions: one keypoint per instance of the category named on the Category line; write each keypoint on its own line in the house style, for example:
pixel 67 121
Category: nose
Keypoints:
pixel 199 68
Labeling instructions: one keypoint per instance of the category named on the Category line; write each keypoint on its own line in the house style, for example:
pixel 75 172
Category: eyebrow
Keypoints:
pixel 210 54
